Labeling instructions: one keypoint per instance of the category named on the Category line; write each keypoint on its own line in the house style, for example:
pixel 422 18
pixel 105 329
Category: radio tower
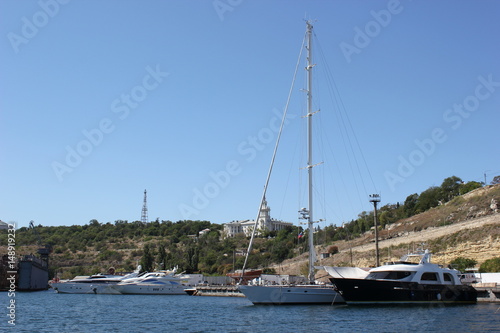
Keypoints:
pixel 144 214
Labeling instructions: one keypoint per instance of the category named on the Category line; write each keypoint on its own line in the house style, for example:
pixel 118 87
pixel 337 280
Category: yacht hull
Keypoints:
pixel 83 288
pixel 362 291
pixel 278 295
pixel 150 289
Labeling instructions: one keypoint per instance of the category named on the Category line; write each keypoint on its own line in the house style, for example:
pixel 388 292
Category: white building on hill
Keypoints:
pixel 265 222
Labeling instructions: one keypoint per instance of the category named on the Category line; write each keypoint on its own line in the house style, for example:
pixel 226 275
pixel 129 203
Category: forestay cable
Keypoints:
pixel 273 158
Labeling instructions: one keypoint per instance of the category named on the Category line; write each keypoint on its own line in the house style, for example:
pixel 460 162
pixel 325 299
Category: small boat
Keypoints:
pixel 190 291
pixel 153 283
pixel 245 276
pixel 402 281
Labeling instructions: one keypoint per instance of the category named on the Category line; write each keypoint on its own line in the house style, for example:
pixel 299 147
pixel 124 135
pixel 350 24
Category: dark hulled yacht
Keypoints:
pixel 402 282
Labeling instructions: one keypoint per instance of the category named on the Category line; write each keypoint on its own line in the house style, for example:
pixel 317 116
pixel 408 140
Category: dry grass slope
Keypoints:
pixel 467 226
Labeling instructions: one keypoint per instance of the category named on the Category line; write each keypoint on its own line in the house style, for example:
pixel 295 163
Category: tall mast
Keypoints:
pixel 312 252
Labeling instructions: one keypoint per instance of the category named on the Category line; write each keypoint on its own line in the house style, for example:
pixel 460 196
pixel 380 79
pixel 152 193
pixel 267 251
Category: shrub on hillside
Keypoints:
pixel 490 266
pixel 462 263
pixel 333 249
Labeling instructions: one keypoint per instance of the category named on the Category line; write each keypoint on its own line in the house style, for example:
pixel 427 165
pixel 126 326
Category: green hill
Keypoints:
pixel 94 247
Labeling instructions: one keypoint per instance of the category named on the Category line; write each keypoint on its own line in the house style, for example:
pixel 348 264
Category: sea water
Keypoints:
pixel 48 311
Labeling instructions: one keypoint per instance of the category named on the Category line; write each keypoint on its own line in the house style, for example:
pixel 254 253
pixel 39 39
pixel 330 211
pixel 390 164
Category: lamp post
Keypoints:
pixel 375 198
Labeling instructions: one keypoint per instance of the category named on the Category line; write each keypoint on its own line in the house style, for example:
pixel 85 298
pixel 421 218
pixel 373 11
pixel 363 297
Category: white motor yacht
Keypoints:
pixel 94 284
pixel 153 283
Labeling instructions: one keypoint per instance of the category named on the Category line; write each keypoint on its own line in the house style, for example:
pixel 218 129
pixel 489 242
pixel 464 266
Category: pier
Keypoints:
pixel 487 292
pixel 221 291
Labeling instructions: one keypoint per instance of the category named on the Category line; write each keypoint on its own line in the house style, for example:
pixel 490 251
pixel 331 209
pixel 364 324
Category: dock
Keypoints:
pixel 487 292
pixel 220 291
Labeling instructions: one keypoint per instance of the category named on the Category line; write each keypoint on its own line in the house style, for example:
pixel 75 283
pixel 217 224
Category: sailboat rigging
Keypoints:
pixel 296 294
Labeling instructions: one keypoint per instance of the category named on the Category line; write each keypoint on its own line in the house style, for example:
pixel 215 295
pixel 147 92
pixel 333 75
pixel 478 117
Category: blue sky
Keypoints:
pixel 100 100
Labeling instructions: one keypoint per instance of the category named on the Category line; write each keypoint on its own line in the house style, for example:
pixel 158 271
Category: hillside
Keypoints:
pixel 467 226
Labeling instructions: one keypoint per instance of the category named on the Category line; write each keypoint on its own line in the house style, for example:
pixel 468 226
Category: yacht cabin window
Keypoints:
pixel 448 277
pixel 388 275
pixel 429 276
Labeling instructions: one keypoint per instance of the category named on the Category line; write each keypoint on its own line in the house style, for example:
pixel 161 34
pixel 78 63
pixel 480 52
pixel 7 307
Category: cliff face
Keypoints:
pixel 467 226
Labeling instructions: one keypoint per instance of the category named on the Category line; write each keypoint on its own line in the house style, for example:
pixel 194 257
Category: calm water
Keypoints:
pixel 49 312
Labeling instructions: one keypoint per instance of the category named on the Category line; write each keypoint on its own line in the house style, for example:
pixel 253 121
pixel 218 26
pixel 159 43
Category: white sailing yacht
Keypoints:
pixel 297 294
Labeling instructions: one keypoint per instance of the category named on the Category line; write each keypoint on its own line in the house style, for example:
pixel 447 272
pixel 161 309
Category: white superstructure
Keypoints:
pixel 153 283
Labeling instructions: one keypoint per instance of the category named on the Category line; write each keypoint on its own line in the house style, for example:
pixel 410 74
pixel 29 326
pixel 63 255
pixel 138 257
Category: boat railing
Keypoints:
pixel 400 263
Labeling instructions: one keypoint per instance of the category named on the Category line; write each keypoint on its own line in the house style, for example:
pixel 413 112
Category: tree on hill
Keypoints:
pixel 462 263
pixel 410 204
pixel 490 266
pixel 428 199
pixel 389 213
pixel 469 186
pixel 147 261
pixel 162 258
pixel 450 188
pixel 332 249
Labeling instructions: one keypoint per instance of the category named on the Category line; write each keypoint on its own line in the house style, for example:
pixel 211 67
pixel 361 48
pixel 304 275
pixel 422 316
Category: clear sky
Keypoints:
pixel 100 100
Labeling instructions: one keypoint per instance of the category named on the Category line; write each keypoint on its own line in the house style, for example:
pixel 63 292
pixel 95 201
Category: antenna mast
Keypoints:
pixel 144 214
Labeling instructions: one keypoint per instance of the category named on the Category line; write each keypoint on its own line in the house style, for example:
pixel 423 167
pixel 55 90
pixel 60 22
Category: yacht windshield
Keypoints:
pixel 388 275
